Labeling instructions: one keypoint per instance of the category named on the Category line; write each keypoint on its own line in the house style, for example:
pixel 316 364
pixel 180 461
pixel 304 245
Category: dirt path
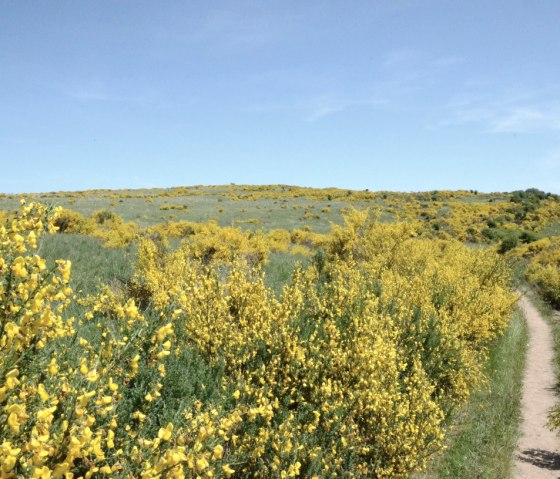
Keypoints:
pixel 538 453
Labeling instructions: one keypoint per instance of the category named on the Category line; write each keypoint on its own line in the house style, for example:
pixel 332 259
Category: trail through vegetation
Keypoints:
pixel 538 454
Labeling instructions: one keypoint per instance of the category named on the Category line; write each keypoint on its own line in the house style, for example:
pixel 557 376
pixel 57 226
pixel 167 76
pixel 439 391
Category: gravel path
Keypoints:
pixel 538 453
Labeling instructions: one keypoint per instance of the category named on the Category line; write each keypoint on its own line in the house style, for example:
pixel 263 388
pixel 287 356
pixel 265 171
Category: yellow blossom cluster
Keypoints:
pixel 209 241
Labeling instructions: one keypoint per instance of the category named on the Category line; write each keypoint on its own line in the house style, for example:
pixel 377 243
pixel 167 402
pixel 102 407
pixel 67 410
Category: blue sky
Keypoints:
pixel 387 95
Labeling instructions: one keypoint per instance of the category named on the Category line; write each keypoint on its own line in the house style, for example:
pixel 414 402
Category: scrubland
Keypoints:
pixel 274 331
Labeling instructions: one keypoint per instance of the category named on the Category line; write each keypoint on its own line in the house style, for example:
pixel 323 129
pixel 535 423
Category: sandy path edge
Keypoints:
pixel 538 450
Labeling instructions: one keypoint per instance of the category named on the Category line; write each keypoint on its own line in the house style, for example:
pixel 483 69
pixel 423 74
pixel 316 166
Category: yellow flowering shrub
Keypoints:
pixel 103 224
pixel 211 242
pixel 32 300
pixel 278 240
pixel 4 215
pixel 112 229
pixel 200 370
pixel 543 269
pixel 459 298
pixel 301 383
pixel 79 403
pixel 69 221
pixel 301 237
pixel 359 358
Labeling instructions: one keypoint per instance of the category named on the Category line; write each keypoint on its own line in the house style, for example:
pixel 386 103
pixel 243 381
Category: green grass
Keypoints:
pixel 92 264
pixel 280 268
pixel 484 433
pixel 552 229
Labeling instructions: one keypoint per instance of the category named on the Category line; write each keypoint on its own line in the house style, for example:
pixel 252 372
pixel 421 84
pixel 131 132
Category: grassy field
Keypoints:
pixel 94 266
pixel 148 207
pixel 250 207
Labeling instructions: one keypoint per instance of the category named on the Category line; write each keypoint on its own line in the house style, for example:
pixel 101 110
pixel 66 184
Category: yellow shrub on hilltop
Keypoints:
pixel 547 212
pixel 223 244
pixel 309 239
pixel 532 249
pixel 4 215
pixel 211 242
pixel 278 240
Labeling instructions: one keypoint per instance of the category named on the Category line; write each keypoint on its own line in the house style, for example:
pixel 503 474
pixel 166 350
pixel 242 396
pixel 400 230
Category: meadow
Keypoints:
pixel 266 331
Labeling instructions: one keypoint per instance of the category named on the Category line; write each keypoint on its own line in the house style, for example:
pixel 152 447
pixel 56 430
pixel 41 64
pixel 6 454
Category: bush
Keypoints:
pixel 543 270
pixel 508 242
pixel 528 237
pixel 68 221
pixel 101 216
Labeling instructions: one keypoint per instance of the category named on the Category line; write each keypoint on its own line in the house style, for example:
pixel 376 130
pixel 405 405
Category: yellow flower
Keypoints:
pixel 18 269
pixel 201 464
pixel 165 434
pixel 228 471
pixel 11 329
pixel 218 452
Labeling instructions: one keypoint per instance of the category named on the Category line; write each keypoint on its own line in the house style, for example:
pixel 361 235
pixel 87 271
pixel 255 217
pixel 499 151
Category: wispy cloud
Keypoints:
pixel 400 76
pixel 448 61
pixel 410 58
pixel 323 107
pixel 504 110
pixel 96 90
pixel 403 58
pixel 316 108
pixel 85 94
pixel 90 95
pixel 239 28
pixel 522 120
pixel 411 63
pixel 245 27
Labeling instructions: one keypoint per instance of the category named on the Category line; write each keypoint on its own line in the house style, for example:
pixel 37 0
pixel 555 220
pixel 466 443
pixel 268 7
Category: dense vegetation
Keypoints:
pixel 195 365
